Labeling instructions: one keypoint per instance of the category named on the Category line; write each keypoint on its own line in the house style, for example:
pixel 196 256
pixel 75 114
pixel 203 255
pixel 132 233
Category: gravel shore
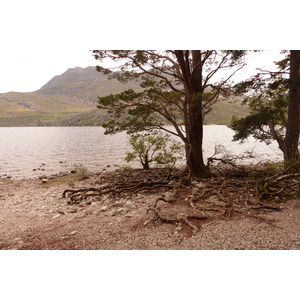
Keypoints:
pixel 35 216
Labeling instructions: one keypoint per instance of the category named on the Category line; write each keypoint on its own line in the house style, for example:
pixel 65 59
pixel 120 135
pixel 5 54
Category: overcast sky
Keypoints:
pixel 41 39
pixel 26 71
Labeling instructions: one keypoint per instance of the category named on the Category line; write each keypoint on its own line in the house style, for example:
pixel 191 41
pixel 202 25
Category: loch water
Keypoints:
pixel 27 152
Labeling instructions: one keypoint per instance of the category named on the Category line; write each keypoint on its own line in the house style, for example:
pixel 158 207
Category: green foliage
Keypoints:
pixel 272 168
pixel 266 121
pixel 125 170
pixel 140 111
pixel 81 171
pixel 268 104
pixel 154 148
pixel 166 92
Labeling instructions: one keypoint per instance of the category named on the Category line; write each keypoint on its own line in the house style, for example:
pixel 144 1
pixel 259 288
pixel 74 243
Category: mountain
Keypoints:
pixel 70 99
pixel 84 83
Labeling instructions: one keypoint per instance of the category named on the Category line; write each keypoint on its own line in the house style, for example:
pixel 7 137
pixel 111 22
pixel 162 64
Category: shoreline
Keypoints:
pixel 35 216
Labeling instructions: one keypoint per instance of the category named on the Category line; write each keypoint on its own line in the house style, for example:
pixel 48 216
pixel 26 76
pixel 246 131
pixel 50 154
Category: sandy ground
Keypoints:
pixel 33 215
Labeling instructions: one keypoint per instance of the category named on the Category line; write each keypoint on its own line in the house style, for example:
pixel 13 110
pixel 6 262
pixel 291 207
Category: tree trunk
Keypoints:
pixel 195 161
pixel 291 151
pixel 145 162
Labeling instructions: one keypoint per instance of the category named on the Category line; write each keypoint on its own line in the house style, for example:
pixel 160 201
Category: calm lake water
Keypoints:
pixel 50 150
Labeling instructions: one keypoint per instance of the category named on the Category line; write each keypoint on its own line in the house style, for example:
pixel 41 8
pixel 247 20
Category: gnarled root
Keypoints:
pixel 279 184
pixel 117 184
pixel 177 218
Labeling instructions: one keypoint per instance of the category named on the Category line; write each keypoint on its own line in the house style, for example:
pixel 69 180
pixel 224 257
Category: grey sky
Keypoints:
pixel 27 71
pixel 41 39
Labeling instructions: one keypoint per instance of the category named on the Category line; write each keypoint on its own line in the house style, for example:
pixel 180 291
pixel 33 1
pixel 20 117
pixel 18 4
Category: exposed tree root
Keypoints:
pixel 177 217
pixel 217 197
pixel 143 181
pixel 279 184
pixel 201 200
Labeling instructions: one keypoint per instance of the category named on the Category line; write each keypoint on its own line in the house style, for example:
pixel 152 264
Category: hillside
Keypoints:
pixel 34 109
pixel 70 99
pixel 223 111
pixel 84 83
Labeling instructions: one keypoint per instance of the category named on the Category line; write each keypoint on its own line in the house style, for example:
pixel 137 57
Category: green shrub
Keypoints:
pixel 125 170
pixel 154 148
pixel 81 171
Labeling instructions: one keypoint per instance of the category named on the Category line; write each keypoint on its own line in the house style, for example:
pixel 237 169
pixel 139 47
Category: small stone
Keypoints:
pixel 199 184
pixel 44 180
pixel 215 200
pixel 73 232
pixel 129 205
pixel 195 191
pixel 169 195
pixel 56 216
pixel 72 210
pixel 172 182
pixel 179 227
pixel 88 212
pixel 104 208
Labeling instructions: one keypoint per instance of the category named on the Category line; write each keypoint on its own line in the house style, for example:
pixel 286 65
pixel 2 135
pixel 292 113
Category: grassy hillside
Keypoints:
pixel 33 109
pixel 70 99
pixel 223 111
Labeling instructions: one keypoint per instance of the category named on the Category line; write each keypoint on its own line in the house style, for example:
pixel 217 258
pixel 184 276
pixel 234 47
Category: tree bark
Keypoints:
pixel 291 151
pixel 195 161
